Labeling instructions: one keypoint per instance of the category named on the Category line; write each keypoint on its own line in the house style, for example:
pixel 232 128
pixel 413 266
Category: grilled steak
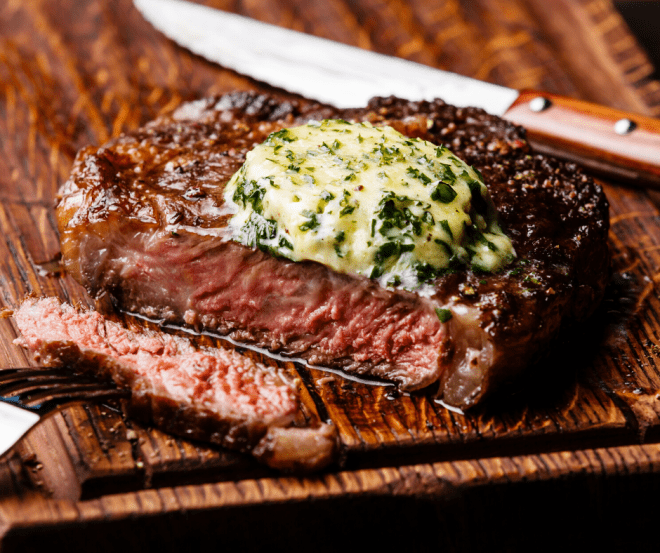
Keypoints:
pixel 144 229
pixel 216 395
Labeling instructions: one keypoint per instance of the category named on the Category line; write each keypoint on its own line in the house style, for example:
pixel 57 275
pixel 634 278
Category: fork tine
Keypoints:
pixel 38 394
pixel 18 385
pixel 9 375
pixel 46 402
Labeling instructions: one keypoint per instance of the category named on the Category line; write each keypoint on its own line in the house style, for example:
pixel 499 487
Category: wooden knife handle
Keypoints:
pixel 608 141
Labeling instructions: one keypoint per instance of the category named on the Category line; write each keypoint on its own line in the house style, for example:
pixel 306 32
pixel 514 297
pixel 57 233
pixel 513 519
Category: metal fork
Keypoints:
pixel 29 394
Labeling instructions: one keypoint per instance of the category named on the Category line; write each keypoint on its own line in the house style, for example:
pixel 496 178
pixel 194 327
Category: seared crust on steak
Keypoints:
pixel 142 223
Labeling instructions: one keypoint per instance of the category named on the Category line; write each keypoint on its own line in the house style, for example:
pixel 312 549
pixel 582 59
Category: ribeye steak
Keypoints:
pixel 143 227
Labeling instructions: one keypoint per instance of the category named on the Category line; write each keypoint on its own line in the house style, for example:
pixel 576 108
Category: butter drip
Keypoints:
pixel 368 201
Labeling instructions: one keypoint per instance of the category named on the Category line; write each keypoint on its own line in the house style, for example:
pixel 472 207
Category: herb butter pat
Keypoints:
pixel 366 200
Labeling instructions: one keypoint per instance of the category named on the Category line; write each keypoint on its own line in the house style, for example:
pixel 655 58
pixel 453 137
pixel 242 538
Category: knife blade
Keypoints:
pixel 610 142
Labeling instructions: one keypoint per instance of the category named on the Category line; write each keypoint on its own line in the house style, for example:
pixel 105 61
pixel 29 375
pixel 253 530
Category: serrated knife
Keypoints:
pixel 611 142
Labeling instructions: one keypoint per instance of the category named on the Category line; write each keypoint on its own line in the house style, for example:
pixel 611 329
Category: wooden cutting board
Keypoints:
pixel 565 449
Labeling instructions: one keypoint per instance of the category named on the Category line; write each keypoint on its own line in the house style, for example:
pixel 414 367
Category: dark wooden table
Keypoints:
pixel 573 457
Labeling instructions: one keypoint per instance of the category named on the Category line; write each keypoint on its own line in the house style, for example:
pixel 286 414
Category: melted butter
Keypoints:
pixel 366 200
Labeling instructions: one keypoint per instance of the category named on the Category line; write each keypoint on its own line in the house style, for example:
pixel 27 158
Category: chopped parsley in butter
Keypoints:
pixel 366 200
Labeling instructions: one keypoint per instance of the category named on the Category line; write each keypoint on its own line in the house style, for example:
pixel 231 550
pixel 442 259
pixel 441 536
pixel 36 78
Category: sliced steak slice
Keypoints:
pixel 215 395
pixel 144 229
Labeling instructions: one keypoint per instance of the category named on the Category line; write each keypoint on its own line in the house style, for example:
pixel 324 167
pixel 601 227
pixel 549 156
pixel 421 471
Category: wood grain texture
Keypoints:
pixel 573 442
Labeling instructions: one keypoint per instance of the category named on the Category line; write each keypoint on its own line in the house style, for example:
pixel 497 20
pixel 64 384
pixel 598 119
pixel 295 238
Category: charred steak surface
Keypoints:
pixel 143 228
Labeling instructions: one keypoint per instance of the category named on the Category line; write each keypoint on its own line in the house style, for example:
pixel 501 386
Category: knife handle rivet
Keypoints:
pixel 624 126
pixel 540 103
